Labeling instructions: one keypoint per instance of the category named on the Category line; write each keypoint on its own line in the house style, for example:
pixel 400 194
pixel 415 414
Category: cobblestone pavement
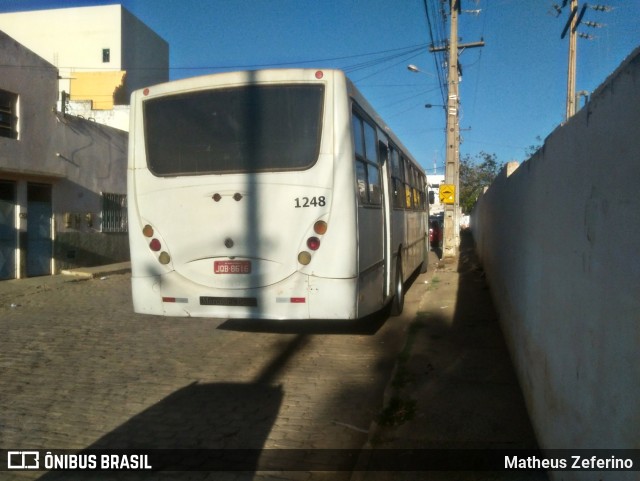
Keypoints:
pixel 81 370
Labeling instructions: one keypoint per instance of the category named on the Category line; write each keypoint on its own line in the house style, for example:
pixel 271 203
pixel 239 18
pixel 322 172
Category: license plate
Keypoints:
pixel 231 267
pixel 229 301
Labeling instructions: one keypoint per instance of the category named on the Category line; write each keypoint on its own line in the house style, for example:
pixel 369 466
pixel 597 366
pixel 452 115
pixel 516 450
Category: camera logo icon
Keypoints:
pixel 23 460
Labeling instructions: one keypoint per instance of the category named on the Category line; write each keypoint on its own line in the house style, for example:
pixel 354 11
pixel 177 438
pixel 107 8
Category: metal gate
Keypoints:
pixel 8 231
pixel 39 242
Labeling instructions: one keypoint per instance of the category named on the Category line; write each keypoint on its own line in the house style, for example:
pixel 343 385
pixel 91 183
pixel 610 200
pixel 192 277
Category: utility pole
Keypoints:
pixel 571 27
pixel 450 190
pixel 451 238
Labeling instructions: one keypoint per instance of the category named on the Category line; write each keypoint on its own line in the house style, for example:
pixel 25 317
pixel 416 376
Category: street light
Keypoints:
pixel 415 69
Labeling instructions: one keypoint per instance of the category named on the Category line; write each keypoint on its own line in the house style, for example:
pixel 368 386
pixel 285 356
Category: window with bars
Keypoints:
pixel 114 212
pixel 8 114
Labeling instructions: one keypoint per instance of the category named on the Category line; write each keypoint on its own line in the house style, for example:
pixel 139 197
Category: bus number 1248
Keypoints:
pixel 310 202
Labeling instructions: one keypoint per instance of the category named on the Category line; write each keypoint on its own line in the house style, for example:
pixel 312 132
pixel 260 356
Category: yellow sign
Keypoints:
pixel 447 193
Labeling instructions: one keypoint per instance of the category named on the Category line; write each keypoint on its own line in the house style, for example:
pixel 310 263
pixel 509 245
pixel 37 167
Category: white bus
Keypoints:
pixel 273 194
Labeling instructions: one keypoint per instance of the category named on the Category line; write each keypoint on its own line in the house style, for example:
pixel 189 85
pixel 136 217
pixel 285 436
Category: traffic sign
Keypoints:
pixel 447 193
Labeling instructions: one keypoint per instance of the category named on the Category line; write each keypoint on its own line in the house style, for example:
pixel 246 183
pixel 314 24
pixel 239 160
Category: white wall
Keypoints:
pixel 69 38
pixel 117 117
pixel 559 241
pixel 437 207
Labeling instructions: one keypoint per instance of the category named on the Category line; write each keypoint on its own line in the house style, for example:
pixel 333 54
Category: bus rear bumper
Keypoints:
pixel 297 297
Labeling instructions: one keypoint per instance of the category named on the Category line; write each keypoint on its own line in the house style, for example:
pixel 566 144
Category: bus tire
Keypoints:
pixel 397 304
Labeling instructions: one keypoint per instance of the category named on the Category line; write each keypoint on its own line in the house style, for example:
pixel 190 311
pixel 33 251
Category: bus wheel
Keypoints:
pixel 397 304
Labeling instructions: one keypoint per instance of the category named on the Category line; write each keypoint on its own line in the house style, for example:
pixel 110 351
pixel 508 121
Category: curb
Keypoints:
pixel 98 271
pixel 374 428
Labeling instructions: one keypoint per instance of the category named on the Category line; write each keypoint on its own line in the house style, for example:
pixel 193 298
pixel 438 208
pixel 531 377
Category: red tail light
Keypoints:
pixel 313 243
pixel 155 245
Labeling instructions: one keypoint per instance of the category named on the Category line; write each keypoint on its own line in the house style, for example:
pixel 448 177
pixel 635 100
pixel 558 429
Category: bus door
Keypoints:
pixel 386 208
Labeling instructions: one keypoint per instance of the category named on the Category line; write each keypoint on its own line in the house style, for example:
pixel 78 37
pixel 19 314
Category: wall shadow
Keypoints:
pixel 455 372
pixel 493 399
pixel 454 400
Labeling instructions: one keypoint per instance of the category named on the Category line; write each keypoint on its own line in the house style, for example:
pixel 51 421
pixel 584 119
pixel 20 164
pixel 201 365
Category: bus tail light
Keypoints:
pixel 155 245
pixel 304 258
pixel 320 227
pixel 313 242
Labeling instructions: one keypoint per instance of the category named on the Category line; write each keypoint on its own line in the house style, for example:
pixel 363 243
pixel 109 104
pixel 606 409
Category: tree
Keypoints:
pixel 533 148
pixel 476 173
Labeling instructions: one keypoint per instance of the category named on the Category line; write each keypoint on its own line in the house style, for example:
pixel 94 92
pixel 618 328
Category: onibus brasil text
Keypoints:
pixel 88 461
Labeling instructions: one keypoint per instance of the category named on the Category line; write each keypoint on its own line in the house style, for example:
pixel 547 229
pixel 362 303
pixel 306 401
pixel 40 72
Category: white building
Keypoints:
pixel 433 185
pixel 103 53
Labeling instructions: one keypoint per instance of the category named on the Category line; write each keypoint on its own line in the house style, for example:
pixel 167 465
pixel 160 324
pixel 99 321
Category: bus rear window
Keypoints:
pixel 234 130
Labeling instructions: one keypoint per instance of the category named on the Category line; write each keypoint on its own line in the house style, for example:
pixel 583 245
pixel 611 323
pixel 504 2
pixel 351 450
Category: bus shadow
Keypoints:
pixel 368 325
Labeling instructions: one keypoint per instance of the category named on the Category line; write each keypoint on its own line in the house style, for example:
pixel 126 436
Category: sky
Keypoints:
pixel 513 90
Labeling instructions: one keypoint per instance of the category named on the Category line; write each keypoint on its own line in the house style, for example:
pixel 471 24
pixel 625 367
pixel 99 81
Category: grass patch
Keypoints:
pixel 434 283
pixel 402 377
pixel 400 410
pixel 397 412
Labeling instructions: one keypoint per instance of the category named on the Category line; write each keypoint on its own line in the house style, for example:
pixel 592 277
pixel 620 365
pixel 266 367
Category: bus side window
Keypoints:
pixel 371 152
pixel 396 176
pixel 366 159
pixel 361 180
pixel 361 166
pixel 358 137
pixel 375 196
pixel 370 143
pixel 407 183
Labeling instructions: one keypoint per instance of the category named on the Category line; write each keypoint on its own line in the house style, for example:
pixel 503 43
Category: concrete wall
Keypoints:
pixel 73 39
pixel 76 158
pixel 95 158
pixel 35 81
pixel 145 55
pixel 559 239
pixel 117 117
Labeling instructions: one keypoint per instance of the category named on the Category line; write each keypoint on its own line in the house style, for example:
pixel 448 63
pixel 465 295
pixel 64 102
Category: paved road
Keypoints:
pixel 81 370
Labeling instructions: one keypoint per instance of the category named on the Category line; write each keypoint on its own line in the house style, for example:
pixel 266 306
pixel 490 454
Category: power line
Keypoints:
pixel 436 35
pixel 392 54
pixel 402 61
